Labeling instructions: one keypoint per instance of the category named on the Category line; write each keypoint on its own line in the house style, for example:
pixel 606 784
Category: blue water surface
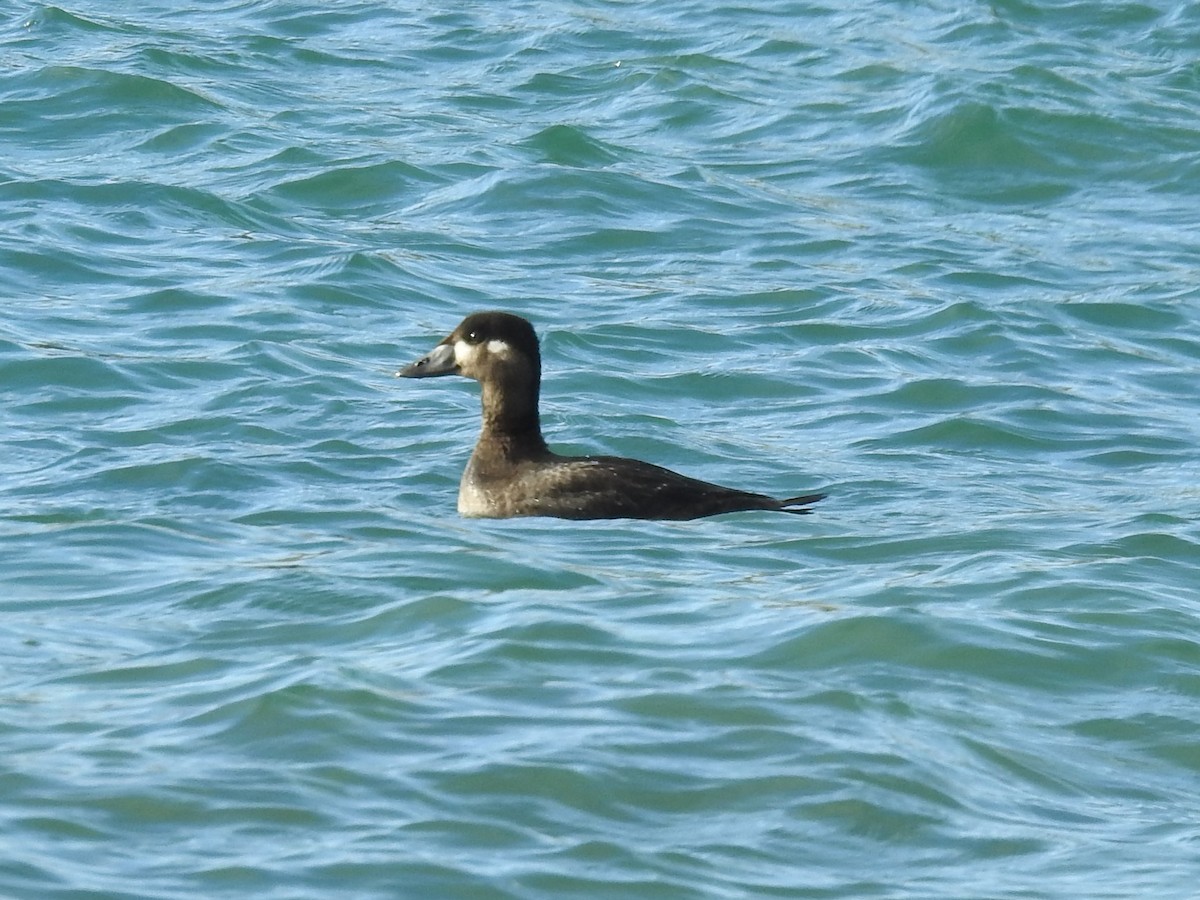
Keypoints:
pixel 940 260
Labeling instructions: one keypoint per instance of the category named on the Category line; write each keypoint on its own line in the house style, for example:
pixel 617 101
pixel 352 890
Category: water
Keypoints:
pixel 937 259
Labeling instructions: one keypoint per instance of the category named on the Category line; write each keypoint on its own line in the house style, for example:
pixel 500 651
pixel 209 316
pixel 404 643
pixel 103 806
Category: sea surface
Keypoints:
pixel 939 259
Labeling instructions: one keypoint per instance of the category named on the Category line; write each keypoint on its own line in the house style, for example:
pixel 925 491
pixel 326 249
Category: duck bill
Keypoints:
pixel 439 362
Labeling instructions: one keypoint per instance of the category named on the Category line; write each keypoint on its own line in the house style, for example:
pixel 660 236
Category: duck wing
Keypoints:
pixel 614 487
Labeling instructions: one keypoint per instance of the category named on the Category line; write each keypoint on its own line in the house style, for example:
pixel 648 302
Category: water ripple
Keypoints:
pixel 932 260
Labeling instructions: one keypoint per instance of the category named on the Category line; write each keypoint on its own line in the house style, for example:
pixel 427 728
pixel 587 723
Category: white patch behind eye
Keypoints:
pixel 464 352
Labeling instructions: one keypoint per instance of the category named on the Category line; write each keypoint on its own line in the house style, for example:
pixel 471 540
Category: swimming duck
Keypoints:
pixel 513 473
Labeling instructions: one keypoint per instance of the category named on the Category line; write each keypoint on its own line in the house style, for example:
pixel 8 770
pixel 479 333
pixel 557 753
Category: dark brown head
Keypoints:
pixel 484 346
pixel 500 351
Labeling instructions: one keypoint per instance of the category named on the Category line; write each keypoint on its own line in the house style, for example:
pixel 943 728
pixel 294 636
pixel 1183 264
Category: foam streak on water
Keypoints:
pixel 939 260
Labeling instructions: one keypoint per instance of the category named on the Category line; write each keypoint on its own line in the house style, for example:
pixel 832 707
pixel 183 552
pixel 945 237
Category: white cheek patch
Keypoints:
pixel 463 353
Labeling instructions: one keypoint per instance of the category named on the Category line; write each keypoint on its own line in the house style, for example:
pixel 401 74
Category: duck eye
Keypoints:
pixel 472 337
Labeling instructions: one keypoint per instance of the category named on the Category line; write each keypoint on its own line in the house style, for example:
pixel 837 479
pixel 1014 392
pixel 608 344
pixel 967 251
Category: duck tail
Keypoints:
pixel 800 505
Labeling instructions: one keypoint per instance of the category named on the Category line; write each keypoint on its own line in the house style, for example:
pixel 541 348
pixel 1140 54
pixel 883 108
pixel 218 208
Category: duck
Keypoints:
pixel 512 472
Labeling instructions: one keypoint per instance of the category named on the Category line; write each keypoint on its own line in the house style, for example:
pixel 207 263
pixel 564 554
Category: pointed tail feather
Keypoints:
pixel 802 504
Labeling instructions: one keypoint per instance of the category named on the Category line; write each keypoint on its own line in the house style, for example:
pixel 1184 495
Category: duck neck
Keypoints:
pixel 510 418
